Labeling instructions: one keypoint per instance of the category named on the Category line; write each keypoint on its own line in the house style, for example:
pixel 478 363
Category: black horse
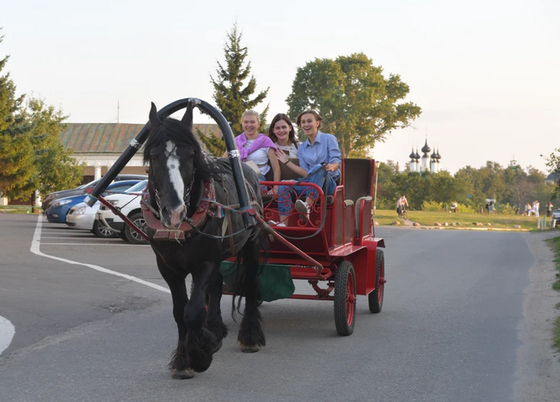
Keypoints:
pixel 191 232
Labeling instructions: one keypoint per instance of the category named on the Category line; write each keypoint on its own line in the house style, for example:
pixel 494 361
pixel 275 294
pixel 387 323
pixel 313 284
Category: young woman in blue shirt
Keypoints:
pixel 319 148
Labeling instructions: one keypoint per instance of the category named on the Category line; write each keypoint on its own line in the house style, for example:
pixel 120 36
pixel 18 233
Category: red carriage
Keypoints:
pixel 335 249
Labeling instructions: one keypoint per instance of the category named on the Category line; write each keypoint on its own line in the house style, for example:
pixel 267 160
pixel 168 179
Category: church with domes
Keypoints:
pixel 426 162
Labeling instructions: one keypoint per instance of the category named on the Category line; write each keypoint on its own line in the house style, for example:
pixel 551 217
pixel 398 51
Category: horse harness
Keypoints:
pixel 206 207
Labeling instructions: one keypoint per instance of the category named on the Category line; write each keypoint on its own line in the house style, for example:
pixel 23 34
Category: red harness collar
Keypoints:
pixel 206 207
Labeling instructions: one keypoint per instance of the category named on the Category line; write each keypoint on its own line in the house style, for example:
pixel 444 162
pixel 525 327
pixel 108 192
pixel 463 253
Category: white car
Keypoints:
pixel 129 204
pixel 555 221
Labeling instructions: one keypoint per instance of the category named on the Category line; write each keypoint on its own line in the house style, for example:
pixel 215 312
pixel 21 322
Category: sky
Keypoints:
pixel 484 72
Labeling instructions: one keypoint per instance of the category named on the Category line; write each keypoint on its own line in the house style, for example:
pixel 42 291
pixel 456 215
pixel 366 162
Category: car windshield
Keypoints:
pixel 138 187
pixel 91 183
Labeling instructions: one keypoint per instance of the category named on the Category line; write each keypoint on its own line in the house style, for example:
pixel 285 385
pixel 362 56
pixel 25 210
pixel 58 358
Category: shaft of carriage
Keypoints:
pixel 168 110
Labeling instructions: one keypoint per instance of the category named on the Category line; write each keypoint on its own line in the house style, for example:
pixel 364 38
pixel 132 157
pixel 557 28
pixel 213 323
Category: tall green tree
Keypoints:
pixel 16 153
pixel 31 154
pixel 234 87
pixel 357 103
pixel 46 126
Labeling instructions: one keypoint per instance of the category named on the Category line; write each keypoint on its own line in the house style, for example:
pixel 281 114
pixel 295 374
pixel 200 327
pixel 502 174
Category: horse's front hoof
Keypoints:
pixel 250 349
pixel 182 374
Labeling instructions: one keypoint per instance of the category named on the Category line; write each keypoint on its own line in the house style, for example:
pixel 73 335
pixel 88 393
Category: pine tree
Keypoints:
pixel 31 154
pixel 231 95
pixel 16 152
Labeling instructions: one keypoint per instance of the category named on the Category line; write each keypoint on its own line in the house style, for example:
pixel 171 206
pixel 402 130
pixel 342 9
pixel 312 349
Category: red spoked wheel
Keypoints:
pixel 375 298
pixel 345 298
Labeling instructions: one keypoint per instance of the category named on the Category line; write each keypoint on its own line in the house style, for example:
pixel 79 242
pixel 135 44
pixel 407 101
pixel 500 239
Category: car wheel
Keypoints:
pixel 130 234
pixel 101 230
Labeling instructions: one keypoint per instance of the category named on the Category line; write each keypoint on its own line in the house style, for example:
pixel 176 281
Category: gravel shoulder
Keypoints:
pixel 538 364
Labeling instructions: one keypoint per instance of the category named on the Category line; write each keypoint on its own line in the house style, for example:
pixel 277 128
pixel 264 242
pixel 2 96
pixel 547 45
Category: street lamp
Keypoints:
pixel 377 163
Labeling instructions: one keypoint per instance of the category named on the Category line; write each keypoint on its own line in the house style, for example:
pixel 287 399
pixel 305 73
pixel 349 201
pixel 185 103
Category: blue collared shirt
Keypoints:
pixel 324 149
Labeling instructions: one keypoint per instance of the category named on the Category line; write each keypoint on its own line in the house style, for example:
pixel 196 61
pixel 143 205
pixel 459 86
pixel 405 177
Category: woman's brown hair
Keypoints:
pixel 291 134
pixel 313 112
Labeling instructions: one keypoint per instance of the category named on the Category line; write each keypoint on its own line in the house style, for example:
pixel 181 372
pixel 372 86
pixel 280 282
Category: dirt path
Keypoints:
pixel 538 365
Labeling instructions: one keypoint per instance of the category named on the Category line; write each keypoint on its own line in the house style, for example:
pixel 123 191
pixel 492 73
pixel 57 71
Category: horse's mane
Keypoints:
pixel 174 130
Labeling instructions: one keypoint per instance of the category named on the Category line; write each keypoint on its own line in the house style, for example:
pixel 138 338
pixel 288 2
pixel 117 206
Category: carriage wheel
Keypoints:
pixel 375 298
pixel 345 298
pixel 130 235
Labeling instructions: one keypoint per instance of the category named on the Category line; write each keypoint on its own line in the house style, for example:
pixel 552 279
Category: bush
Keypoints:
pixel 465 208
pixel 506 209
pixel 432 206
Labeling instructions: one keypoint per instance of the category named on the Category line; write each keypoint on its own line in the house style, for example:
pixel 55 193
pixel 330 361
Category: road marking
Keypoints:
pixel 35 249
pixel 7 332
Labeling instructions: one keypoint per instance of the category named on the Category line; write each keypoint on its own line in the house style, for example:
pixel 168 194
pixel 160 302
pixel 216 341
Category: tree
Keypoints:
pixel 553 165
pixel 357 103
pixel 31 155
pixel 57 169
pixel 232 96
pixel 16 153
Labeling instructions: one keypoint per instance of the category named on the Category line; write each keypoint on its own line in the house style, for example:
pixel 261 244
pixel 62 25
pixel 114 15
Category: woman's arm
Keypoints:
pixel 283 158
pixel 275 166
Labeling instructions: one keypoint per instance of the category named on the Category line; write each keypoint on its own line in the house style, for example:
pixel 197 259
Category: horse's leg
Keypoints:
pixel 201 342
pixel 176 283
pixel 214 313
pixel 251 336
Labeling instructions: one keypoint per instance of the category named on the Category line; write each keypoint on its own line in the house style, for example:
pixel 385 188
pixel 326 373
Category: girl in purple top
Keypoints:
pixel 257 147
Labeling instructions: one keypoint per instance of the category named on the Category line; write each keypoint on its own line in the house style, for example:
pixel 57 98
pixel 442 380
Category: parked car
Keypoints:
pixel 555 220
pixel 129 204
pixel 82 189
pixel 59 209
pixel 82 216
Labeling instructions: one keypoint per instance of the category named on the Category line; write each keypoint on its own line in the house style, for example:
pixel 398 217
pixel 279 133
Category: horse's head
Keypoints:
pixel 171 151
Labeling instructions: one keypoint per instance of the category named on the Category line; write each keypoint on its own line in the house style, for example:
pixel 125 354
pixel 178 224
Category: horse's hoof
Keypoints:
pixel 250 349
pixel 182 374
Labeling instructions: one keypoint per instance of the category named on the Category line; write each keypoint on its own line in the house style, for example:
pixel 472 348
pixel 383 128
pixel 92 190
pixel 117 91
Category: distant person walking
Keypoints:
pixel 536 207
pixel 549 208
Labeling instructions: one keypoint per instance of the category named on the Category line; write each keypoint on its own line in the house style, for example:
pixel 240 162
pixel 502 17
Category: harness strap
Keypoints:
pixel 228 220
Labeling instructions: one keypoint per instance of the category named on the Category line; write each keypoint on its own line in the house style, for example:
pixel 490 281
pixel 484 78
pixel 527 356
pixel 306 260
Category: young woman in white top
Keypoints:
pixel 282 133
pixel 256 147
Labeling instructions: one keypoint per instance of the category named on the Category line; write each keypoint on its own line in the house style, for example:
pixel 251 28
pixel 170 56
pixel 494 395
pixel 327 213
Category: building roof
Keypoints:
pixel 109 137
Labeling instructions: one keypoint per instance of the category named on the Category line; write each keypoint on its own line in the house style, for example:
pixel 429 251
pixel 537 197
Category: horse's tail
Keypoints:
pixel 248 265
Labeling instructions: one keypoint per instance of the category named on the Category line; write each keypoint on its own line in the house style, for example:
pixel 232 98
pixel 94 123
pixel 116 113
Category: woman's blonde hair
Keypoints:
pixel 251 113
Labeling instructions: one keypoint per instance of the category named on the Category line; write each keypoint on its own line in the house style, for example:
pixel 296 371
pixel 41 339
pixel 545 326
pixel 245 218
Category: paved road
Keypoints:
pixel 451 328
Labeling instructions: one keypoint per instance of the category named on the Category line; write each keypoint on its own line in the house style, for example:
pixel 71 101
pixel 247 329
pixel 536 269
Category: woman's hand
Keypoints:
pixel 331 167
pixel 281 155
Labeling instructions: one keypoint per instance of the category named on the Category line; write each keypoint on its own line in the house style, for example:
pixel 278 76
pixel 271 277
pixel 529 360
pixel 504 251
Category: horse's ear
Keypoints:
pixel 188 117
pixel 154 118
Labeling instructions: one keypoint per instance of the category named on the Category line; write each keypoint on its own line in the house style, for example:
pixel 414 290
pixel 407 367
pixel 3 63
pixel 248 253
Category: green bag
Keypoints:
pixel 275 281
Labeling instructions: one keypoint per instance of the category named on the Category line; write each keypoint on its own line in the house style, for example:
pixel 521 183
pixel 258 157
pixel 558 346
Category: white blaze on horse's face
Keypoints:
pixel 173 169
pixel 176 179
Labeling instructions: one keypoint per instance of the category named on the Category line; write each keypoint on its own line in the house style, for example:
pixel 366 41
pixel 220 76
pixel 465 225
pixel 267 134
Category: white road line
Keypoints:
pixel 7 332
pixel 35 249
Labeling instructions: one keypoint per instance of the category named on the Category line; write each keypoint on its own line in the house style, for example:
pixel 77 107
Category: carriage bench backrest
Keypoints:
pixel 358 186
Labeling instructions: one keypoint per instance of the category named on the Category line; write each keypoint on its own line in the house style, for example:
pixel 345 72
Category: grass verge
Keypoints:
pixel 429 218
pixel 555 244
pixel 18 209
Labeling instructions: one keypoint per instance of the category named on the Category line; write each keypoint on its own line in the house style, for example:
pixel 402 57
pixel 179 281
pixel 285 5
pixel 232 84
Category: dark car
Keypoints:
pixel 58 209
pixel 81 190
